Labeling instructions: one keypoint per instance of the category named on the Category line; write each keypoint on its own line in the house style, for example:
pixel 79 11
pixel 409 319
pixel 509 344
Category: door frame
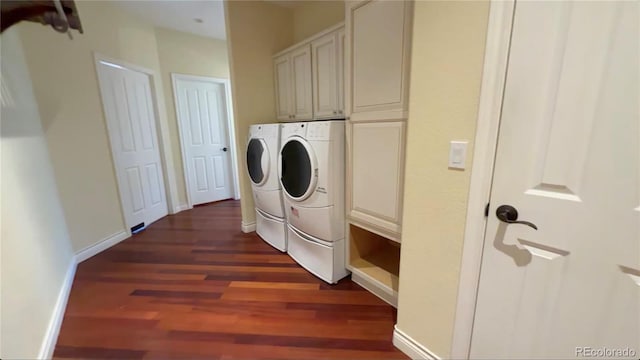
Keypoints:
pixel 494 73
pixel 226 83
pixel 162 132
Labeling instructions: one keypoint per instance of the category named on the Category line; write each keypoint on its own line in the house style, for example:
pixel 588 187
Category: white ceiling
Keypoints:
pixel 181 14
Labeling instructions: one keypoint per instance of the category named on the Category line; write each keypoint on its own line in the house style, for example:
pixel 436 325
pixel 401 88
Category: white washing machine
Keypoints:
pixel 262 164
pixel 311 169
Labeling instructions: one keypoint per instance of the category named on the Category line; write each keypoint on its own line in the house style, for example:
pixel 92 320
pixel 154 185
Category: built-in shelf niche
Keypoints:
pixel 375 263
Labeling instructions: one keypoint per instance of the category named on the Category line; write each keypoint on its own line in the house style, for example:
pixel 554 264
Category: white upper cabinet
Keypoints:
pixel 309 78
pixel 301 83
pixel 325 76
pixel 378 46
pixel 341 65
pixel 282 70
pixel 292 71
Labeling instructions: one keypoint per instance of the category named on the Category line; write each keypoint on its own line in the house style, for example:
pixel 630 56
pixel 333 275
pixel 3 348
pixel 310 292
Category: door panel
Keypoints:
pixel 200 168
pixel 377 165
pixel 325 76
pixel 258 161
pixel 298 169
pixel 378 58
pixel 128 105
pixel 340 66
pixel 202 115
pixel 219 171
pixel 568 159
pixel 153 178
pixel 135 189
pixel 301 83
pixel 282 69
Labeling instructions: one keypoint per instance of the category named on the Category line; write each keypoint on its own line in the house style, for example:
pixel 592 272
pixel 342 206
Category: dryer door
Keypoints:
pixel 258 161
pixel 298 169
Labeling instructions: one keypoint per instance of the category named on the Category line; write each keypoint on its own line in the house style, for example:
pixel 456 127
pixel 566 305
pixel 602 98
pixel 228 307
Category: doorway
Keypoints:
pixel 560 265
pixel 129 109
pixel 203 111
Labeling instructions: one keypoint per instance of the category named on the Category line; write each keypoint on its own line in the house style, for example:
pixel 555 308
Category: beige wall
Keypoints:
pixel 311 17
pixel 447 58
pixel 66 88
pixel 255 31
pixel 34 242
pixel 189 54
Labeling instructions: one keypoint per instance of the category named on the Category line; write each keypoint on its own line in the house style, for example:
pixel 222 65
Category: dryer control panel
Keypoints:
pixel 291 129
pixel 264 131
pixel 320 130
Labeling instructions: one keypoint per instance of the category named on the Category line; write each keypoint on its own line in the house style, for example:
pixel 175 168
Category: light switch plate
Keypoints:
pixel 457 154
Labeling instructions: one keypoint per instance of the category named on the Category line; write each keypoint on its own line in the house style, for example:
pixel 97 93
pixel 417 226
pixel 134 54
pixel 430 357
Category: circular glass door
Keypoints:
pixel 258 161
pixel 298 169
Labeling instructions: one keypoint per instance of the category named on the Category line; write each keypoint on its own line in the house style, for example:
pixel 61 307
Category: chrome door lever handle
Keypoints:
pixel 509 215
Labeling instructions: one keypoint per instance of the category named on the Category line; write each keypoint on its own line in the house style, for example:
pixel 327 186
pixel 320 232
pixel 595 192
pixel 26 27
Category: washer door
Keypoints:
pixel 258 161
pixel 298 169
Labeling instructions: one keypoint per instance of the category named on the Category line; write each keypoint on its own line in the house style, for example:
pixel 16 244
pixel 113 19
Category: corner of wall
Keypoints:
pixel 448 46
pixel 255 31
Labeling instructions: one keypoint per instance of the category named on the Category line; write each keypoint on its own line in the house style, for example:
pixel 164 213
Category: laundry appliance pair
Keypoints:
pixel 297 175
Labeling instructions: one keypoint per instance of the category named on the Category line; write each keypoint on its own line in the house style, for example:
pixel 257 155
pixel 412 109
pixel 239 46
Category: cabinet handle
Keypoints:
pixel 340 111
pixel 335 112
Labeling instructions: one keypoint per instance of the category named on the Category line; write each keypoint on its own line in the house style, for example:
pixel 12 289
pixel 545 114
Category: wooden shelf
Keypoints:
pixel 375 263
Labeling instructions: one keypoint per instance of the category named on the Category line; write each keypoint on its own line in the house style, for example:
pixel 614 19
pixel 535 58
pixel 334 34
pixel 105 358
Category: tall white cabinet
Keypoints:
pixel 309 78
pixel 377 52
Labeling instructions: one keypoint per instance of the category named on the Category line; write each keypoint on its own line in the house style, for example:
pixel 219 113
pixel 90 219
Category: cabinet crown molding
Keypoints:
pixel 311 38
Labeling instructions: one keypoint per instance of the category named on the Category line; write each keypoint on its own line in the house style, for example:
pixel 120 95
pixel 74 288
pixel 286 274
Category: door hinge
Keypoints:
pixel 486 210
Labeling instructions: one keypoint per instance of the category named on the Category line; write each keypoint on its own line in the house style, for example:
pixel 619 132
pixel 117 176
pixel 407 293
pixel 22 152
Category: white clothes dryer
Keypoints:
pixel 262 158
pixel 311 169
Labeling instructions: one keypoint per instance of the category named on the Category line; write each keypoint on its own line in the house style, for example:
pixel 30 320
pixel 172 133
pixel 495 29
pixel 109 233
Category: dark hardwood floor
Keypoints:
pixel 193 286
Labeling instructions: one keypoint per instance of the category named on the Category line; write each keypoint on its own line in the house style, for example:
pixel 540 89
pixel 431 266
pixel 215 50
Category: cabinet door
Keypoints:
pixel 375 175
pixel 378 36
pixel 282 71
pixel 301 83
pixel 341 65
pixel 325 76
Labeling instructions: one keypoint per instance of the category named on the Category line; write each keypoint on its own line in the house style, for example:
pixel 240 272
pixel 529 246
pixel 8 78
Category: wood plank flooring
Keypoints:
pixel 193 286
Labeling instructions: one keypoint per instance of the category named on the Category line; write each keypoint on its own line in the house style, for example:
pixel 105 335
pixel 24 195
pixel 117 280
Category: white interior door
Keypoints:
pixel 568 160
pixel 202 117
pixel 128 105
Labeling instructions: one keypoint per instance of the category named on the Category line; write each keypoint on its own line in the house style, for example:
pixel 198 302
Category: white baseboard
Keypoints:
pixel 248 227
pixel 101 245
pixel 410 347
pixel 53 330
pixel 181 207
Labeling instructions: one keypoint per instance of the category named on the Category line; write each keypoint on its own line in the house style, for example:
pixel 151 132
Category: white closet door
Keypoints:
pixel 202 117
pixel 568 160
pixel 128 105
